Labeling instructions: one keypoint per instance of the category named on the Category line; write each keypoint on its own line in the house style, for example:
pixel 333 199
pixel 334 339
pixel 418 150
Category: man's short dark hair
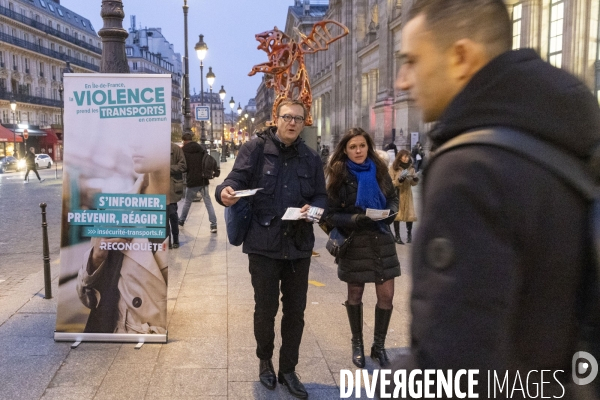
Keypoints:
pixel 485 21
pixel 186 137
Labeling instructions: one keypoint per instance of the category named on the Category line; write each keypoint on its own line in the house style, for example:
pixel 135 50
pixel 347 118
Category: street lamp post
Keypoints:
pixel 222 95
pixel 252 126
pixel 201 49
pixel 231 104
pixel 210 78
pixel 61 89
pixel 239 111
pixel 113 37
pixel 13 107
pixel 187 117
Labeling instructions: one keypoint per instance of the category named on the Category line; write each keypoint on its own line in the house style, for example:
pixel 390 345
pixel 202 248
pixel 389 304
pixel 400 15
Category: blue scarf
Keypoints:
pixel 369 194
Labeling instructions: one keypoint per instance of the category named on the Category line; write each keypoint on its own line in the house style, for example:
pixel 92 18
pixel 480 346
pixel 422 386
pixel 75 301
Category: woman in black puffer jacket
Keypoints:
pixel 358 179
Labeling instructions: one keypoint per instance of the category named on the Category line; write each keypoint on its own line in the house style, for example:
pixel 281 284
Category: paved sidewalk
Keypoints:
pixel 210 353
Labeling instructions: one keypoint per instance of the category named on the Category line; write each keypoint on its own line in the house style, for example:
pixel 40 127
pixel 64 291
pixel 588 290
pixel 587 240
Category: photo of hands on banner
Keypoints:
pixel 114 270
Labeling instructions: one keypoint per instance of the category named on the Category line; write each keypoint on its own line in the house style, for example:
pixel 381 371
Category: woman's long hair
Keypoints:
pixel 396 165
pixel 336 168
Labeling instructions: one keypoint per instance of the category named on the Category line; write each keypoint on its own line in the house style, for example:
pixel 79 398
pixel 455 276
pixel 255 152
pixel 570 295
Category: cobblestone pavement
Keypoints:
pixel 210 353
pixel 21 253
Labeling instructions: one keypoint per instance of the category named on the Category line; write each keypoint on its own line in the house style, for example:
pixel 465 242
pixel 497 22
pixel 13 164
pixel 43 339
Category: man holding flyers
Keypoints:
pixel 290 175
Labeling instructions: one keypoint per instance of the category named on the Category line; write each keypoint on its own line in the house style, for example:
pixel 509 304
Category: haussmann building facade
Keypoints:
pixel 353 82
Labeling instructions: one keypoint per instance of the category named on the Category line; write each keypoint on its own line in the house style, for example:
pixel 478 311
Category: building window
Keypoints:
pixel 557 12
pixel 516 22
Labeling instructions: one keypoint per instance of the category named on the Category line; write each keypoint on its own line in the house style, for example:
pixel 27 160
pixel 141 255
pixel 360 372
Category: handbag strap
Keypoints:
pixel 259 165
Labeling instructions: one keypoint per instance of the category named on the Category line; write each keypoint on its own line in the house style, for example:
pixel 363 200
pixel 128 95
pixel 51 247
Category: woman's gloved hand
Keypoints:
pixel 362 221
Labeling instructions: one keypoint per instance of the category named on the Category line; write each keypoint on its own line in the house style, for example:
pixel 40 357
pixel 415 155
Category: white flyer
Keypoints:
pixel 293 213
pixel 247 192
pixel 377 215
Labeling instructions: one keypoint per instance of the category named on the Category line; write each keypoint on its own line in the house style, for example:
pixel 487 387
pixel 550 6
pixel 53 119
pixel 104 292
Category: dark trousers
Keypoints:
pixel 172 219
pixel 34 170
pixel 267 273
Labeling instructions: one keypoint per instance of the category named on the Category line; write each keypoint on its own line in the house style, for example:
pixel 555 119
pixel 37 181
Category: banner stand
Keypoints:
pixel 109 337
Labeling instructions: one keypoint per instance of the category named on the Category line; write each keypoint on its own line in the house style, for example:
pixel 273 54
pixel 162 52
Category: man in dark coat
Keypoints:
pixel 501 254
pixel 30 162
pixel 195 182
pixel 178 167
pixel 279 252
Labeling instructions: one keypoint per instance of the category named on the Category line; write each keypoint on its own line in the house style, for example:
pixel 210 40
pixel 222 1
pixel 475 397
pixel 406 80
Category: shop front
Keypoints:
pixel 8 141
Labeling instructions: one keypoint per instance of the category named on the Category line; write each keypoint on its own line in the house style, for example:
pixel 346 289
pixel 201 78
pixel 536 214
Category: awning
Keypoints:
pixel 51 138
pixel 32 132
pixel 6 135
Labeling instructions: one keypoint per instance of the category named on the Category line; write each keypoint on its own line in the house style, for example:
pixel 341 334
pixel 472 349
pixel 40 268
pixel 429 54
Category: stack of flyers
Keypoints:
pixel 313 214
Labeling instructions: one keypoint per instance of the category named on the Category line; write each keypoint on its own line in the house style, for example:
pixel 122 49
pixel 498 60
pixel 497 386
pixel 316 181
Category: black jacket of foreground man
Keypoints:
pixel 290 177
pixel 501 254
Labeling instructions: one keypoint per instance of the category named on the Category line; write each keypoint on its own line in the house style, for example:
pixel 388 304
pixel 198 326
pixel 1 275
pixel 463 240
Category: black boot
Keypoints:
pixel 409 230
pixel 409 238
pixel 355 317
pixel 397 230
pixel 266 374
pixel 175 241
pixel 382 321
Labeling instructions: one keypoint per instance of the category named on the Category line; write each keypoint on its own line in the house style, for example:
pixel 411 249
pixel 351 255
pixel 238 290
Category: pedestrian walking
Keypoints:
pixel 357 179
pixel 195 181
pixel 279 252
pixel 178 167
pixel 417 154
pixel 30 162
pixel 502 256
pixel 404 177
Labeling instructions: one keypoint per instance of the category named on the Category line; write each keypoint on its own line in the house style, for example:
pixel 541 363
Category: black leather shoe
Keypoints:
pixel 266 374
pixel 293 384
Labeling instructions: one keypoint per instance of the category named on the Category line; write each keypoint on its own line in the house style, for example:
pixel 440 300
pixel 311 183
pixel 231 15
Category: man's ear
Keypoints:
pixel 467 57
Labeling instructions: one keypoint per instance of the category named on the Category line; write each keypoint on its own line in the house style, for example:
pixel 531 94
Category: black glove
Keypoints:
pixel 363 222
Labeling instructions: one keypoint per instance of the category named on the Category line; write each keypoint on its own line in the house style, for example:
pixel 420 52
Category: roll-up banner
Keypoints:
pixel 114 246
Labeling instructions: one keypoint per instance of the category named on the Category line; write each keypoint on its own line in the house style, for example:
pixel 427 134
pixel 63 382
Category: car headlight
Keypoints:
pixel 21 163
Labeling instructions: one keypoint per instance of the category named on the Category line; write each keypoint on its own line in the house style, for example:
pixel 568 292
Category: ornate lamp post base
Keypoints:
pixel 113 37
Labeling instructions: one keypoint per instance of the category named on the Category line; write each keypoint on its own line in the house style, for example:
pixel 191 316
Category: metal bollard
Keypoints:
pixel 47 275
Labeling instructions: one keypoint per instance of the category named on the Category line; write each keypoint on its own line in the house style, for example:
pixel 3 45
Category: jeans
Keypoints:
pixel 190 195
pixel 266 273
pixel 34 170
pixel 172 226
